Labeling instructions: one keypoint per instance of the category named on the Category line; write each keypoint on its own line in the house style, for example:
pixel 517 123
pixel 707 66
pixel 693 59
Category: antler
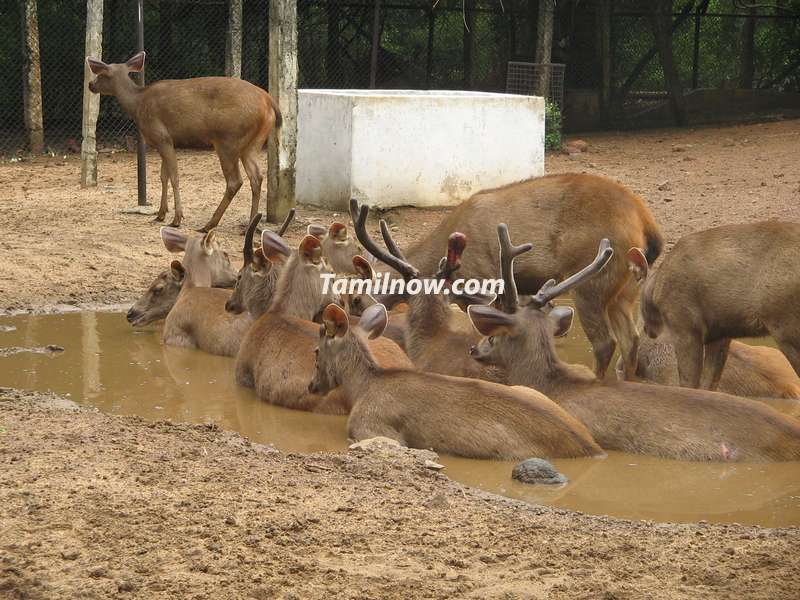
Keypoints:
pixel 508 252
pixel 551 290
pixel 359 216
pixel 390 243
pixel 248 238
pixel 286 221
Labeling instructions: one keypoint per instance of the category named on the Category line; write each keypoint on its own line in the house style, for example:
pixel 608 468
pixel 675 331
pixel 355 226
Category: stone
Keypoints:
pixel 538 470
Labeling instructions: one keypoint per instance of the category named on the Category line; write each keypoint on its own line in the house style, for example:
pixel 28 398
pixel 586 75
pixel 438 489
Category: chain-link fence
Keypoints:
pixel 417 44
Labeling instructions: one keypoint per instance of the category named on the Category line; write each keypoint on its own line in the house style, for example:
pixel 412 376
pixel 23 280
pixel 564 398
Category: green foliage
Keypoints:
pixel 552 126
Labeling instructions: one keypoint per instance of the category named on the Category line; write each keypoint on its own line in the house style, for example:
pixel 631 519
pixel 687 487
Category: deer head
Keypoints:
pixel 111 77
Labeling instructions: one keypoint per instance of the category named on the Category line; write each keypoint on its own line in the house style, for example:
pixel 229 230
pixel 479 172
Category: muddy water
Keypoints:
pixel 108 365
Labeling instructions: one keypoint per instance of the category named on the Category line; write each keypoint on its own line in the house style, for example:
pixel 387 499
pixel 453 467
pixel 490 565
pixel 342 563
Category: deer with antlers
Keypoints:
pixel 631 417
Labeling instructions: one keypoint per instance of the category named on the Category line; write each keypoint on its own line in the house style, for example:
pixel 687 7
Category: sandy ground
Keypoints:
pixel 100 506
pixel 62 244
pixel 96 506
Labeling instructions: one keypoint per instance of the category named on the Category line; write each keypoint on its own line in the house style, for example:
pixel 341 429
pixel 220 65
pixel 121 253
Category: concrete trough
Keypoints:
pixel 413 148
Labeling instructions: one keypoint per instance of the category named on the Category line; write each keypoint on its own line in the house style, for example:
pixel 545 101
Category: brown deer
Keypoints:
pixel 199 319
pixel 339 248
pixel 565 216
pixel 276 355
pixel 727 282
pixel 631 417
pixel 755 371
pixel 231 115
pixel 437 338
pixel 453 415
pixel 160 297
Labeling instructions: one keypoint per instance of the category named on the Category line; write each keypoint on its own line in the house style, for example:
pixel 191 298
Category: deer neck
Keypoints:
pixel 356 365
pixel 296 295
pixel 198 274
pixel 427 315
pixel 539 367
pixel 128 94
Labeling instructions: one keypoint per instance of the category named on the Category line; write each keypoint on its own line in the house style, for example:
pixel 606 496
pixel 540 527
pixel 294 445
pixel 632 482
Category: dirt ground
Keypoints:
pixel 97 506
pixel 62 244
pixel 93 505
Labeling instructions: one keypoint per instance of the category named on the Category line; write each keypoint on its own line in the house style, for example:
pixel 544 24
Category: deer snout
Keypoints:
pixel 234 307
pixel 312 388
pixel 133 315
pixel 473 350
pixel 92 86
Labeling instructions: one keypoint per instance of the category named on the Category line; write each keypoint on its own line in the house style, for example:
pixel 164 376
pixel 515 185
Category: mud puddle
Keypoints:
pixel 107 364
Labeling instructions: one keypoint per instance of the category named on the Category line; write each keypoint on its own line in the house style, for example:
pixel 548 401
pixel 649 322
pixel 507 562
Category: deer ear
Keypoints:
pixel 273 246
pixel 338 231
pixel 490 321
pixel 637 263
pixel 208 242
pixel 310 249
pixel 96 66
pixel 362 267
pixel 316 230
pixel 334 320
pixel 174 240
pixel 374 320
pixel 136 62
pixel 562 317
pixel 177 271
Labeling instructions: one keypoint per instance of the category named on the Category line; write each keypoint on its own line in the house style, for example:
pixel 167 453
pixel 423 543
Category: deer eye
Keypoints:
pixel 491 339
pixel 157 290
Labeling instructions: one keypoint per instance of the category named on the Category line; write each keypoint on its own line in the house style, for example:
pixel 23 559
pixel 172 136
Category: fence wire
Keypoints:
pixel 449 44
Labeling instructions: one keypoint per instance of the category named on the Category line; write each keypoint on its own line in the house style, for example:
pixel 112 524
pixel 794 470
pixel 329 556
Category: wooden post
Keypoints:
pixel 376 45
pixel 282 144
pixel 233 40
pixel 91 102
pixel 32 77
pixel 544 47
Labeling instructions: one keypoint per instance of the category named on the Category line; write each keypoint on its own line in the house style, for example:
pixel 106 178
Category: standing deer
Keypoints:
pixel 233 116
pixel 453 415
pixel 631 417
pixel 160 297
pixel 276 355
pixel 756 371
pixel 565 216
pixel 437 338
pixel 727 282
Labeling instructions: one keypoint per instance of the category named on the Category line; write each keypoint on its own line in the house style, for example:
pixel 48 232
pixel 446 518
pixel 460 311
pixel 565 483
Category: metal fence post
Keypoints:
pixel 141 149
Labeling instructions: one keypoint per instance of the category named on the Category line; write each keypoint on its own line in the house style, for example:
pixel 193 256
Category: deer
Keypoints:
pixel 276 355
pixel 436 338
pixel 339 248
pixel 199 319
pixel 664 421
pixel 753 371
pixel 161 295
pixel 231 115
pixel 745 285
pixel 452 415
pixel 565 215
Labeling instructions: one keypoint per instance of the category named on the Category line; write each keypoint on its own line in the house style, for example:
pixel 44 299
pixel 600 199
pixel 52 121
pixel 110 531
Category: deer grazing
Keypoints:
pixel 276 355
pixel 727 282
pixel 453 415
pixel 437 338
pixel 755 371
pixel 631 417
pixel 565 216
pixel 198 319
pixel 231 115
pixel 160 297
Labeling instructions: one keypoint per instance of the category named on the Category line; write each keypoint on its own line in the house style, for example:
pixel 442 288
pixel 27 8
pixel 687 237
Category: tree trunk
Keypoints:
pixel 91 102
pixel 661 22
pixel 747 57
pixel 544 47
pixel 282 144
pixel 32 77
pixel 233 40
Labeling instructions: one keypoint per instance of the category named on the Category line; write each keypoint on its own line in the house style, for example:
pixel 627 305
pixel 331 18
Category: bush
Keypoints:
pixel 552 126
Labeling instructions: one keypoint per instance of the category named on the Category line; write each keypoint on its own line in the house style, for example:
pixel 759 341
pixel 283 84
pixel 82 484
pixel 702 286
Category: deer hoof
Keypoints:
pixel 159 218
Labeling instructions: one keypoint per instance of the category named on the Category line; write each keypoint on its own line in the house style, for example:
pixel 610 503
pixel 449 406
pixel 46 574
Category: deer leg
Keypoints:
pixel 689 353
pixel 253 170
pixel 715 355
pixel 229 162
pixel 620 314
pixel 595 323
pixel 169 160
pixel 163 208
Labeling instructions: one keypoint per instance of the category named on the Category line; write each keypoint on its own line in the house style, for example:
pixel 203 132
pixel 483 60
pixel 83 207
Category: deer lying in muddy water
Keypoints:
pixel 276 355
pixel 453 415
pixel 437 338
pixel 755 371
pixel 231 115
pixel 664 421
pixel 565 216
pixel 727 282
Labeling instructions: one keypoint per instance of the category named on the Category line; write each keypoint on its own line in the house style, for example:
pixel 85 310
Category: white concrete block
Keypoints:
pixel 408 147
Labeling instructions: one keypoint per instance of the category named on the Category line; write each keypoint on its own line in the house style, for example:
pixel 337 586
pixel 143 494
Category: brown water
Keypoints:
pixel 109 365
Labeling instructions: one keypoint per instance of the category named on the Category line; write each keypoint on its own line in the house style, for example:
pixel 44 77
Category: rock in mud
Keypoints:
pixel 538 470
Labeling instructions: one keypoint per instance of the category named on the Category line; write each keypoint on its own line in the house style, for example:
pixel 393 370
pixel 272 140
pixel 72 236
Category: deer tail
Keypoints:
pixel 654 239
